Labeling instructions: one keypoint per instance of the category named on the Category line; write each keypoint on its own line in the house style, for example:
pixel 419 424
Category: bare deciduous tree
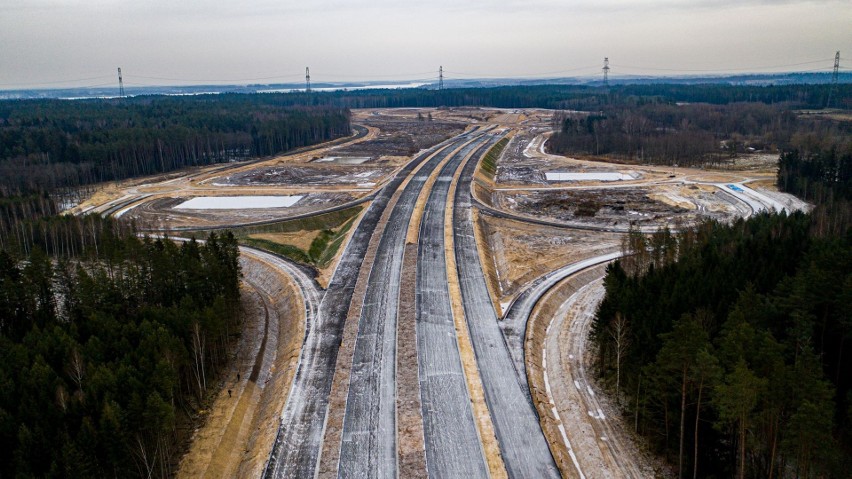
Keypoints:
pixel 618 330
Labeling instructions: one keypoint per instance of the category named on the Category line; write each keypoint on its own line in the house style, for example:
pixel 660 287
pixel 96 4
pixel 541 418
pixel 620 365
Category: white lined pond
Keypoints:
pixel 589 176
pixel 238 202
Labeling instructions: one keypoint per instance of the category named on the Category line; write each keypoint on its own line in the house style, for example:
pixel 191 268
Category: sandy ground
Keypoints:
pixel 299 239
pixel 239 429
pixel 521 252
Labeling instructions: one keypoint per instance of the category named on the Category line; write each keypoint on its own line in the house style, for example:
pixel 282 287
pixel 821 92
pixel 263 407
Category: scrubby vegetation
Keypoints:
pixel 489 161
pixel 332 227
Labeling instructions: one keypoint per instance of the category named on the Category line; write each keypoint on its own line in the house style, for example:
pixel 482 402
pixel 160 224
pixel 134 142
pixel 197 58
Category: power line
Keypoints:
pixel 832 92
pixel 442 74
pixel 734 70
pixel 120 84
pixel 216 80
pixel 606 71
pixel 57 81
pixel 522 75
pixel 307 80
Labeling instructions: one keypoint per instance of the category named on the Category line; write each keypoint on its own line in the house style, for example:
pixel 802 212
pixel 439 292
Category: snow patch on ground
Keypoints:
pixel 344 160
pixel 589 176
pixel 238 202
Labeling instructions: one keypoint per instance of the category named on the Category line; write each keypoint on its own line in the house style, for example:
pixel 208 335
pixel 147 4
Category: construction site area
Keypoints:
pixel 418 295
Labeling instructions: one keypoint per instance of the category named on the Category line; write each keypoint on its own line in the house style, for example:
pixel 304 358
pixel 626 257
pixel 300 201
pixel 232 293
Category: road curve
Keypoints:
pixel 564 349
pixel 522 444
pixel 453 447
pixel 368 445
pixel 311 292
pixel 299 441
pixel 514 323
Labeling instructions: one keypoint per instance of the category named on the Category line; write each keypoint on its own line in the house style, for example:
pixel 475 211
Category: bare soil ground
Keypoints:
pixel 293 175
pixel 299 239
pixel 402 133
pixel 521 252
pixel 661 205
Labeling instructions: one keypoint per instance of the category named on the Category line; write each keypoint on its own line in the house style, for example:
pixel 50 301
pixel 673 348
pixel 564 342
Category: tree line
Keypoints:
pixel 50 144
pixel 574 97
pixel 657 131
pixel 820 171
pixel 727 345
pixel 105 355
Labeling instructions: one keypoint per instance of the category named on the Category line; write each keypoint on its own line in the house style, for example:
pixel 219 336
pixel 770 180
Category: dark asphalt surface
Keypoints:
pixel 299 441
pixel 453 448
pixel 368 447
pixel 523 446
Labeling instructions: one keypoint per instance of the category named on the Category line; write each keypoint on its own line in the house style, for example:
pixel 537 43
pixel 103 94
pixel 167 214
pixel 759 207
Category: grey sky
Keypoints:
pixel 199 41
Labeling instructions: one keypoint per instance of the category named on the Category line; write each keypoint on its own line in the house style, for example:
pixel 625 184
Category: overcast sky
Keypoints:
pixel 52 43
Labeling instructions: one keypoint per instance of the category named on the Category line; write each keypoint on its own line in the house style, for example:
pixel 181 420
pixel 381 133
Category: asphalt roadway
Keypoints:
pixel 299 440
pixel 523 446
pixel 368 445
pixel 453 448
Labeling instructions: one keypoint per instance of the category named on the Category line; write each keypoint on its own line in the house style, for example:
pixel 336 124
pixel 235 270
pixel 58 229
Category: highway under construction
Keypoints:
pixel 441 333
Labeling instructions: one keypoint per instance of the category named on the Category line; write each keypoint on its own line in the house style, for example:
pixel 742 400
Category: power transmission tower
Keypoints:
pixel 606 71
pixel 120 84
pixel 307 79
pixel 833 90
pixel 441 77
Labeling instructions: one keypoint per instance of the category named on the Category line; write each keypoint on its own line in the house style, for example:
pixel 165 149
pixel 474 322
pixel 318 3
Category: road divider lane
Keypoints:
pixel 453 447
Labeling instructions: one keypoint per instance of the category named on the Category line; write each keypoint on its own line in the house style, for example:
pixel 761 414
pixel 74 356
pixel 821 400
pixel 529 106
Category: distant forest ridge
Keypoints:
pixel 753 79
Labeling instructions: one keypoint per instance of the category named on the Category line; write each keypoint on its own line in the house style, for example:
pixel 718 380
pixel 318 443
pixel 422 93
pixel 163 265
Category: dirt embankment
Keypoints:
pixel 410 436
pixel 521 252
pixel 240 428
